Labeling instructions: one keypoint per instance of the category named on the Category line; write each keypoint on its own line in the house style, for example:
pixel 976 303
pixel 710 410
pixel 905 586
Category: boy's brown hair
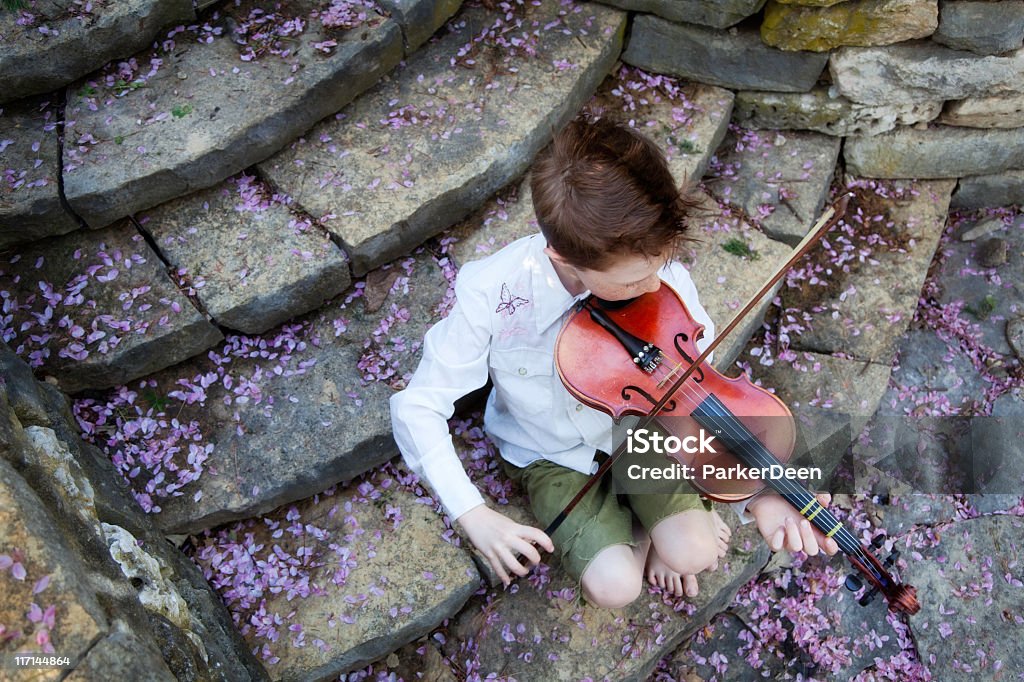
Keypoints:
pixel 601 190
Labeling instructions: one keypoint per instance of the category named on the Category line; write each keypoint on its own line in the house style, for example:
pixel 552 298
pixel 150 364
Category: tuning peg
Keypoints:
pixel 853 582
pixel 877 541
pixel 868 597
pixel 891 561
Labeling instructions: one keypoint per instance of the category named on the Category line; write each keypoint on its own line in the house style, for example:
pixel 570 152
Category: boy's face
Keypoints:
pixel 628 277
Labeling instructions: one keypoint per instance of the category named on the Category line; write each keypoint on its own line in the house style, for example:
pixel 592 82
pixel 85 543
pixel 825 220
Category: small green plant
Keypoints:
pixel 87 91
pixel 156 401
pixel 685 145
pixel 738 247
pixel 13 5
pixel 181 110
pixel 122 86
pixel 119 139
pixel 984 309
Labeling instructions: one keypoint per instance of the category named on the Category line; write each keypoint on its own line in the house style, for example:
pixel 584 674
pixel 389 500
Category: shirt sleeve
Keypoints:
pixel 454 363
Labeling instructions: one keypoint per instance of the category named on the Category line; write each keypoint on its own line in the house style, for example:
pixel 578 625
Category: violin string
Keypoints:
pixel 790 487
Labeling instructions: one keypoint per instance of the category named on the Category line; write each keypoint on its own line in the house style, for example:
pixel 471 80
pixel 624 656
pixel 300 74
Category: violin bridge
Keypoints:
pixel 670 375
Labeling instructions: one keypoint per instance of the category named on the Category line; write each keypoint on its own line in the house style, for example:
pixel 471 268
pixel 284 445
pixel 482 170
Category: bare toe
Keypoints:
pixel 690 583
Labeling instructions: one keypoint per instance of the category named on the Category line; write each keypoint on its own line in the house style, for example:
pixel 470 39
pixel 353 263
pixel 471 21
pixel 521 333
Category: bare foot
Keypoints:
pixel 660 575
pixel 722 534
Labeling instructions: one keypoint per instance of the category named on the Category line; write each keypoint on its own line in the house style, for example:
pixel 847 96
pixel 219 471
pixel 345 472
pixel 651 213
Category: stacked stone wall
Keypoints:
pixel 917 88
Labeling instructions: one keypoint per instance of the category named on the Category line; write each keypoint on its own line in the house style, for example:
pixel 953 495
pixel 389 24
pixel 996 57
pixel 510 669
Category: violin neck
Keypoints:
pixel 715 417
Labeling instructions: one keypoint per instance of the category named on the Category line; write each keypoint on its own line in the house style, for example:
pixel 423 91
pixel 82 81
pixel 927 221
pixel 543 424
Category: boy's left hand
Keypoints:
pixel 782 525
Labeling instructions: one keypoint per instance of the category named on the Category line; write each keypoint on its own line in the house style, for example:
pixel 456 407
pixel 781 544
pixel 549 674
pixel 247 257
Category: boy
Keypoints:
pixel 611 218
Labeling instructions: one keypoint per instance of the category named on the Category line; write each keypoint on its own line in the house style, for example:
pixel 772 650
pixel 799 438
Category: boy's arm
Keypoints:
pixel 454 363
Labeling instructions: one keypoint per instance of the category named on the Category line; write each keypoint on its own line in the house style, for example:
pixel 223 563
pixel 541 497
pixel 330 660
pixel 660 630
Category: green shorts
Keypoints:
pixel 602 518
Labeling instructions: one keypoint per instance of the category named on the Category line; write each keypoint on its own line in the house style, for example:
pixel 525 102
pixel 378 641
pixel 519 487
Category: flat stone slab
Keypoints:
pixel 989 295
pixel 97 309
pixel 688 121
pixel 819 111
pixel 259 262
pixel 739 61
pixel 984 191
pixel 210 109
pixel 30 202
pixel 864 308
pixel 266 406
pixel 713 14
pixel 922 71
pixel 51 43
pixel 463 118
pixel 867 22
pixel 536 631
pixel 981 27
pixel 937 152
pixel 974 601
pixel 45 597
pixel 780 180
pixel 1006 111
pixel 371 569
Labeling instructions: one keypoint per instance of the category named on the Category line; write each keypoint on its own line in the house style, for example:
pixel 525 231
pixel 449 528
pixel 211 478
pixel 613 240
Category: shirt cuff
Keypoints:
pixel 447 474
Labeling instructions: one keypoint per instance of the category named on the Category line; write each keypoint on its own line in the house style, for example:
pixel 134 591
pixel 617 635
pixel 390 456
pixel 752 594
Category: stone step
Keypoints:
pixel 274 418
pixel 334 582
pixel 860 293
pixel 461 119
pixel 48 45
pixel 97 309
pixel 30 201
pixel 982 191
pixel 715 14
pixel 259 262
pixel 215 98
pixel 780 180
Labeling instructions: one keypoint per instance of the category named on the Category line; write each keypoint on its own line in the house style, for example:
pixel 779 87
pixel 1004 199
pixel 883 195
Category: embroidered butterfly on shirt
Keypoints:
pixel 509 302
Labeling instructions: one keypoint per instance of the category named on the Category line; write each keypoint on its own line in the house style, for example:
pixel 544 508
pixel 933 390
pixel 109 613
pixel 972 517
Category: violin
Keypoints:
pixel 652 368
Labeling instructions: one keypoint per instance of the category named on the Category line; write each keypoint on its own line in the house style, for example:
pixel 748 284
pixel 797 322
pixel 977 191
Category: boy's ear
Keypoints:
pixel 554 255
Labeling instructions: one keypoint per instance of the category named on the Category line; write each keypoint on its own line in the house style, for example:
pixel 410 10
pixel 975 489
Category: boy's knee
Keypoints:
pixel 612 593
pixel 690 557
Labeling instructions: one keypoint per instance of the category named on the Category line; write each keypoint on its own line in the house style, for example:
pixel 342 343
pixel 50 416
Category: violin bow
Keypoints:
pixel 900 597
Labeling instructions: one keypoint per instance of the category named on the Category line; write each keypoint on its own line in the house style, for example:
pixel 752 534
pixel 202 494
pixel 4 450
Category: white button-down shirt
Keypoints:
pixel 509 309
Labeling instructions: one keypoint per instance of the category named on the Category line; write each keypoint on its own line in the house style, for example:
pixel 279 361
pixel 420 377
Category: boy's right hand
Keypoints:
pixel 499 539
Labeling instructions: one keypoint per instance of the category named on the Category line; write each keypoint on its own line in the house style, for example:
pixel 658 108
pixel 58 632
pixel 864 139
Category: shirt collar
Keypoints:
pixel 550 298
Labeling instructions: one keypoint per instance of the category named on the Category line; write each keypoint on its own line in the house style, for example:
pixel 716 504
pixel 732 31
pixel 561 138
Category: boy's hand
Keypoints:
pixel 499 538
pixel 780 524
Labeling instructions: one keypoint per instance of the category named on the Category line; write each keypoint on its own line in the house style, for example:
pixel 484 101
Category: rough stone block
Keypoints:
pixel 779 180
pixel 937 152
pixel 210 109
pixel 95 309
pixel 739 62
pixel 259 262
pixel 47 45
pixel 865 307
pixel 713 14
pixel 922 71
pixel 30 201
pixel 864 23
pixel 1005 111
pixel 464 117
pixel 39 568
pixel 981 27
pixel 984 191
pixel 818 111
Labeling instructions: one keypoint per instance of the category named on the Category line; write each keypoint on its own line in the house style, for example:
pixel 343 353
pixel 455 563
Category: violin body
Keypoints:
pixel 586 357
pixel 640 357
